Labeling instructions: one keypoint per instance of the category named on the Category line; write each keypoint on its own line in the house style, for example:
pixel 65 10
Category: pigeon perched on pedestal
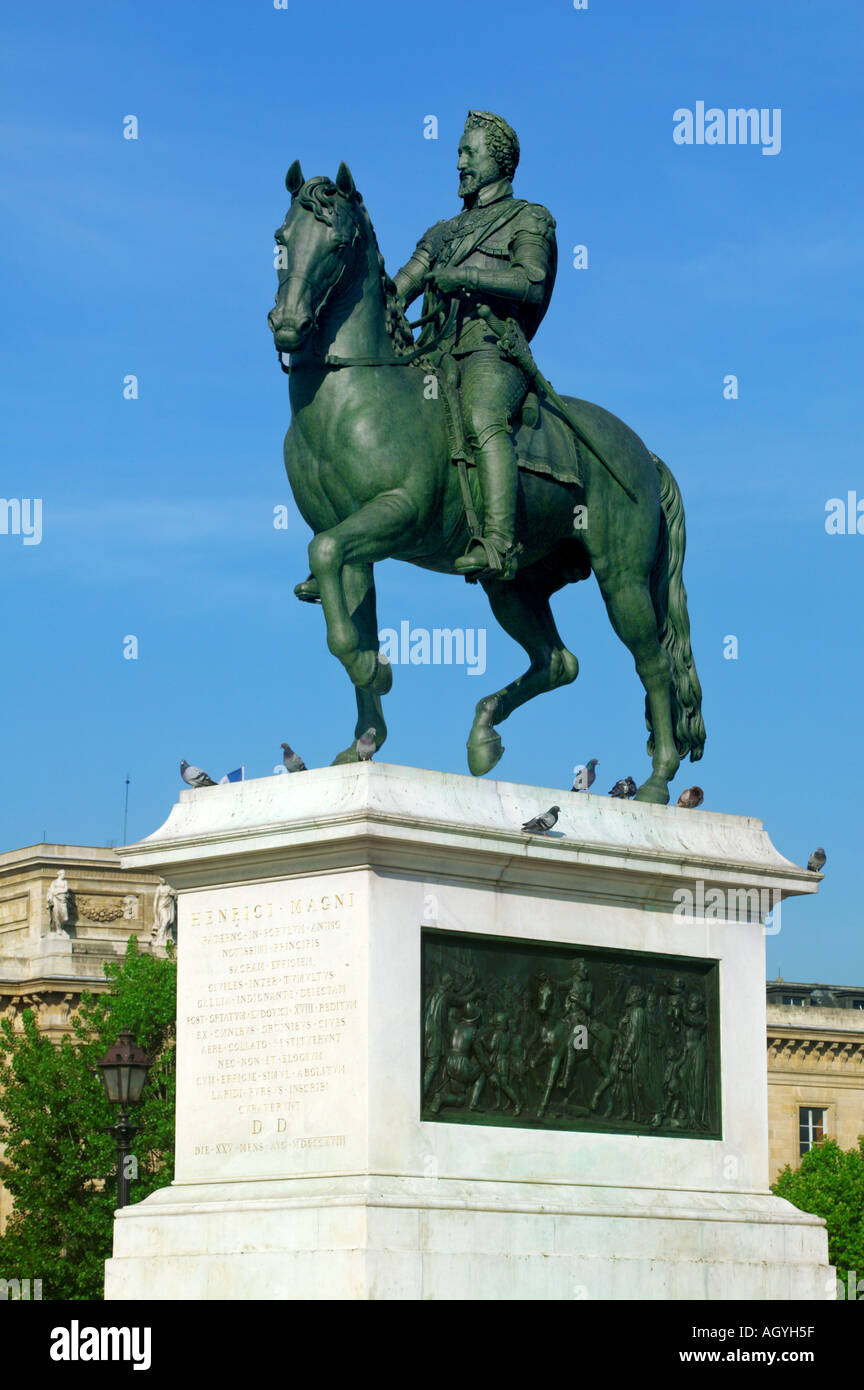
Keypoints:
pixel 366 745
pixel 816 862
pixel 541 825
pixel 583 777
pixel 293 762
pixel 624 789
pixel 691 798
pixel 194 776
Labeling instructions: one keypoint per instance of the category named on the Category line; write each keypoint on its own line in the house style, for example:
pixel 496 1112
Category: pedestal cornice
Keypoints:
pixel 392 818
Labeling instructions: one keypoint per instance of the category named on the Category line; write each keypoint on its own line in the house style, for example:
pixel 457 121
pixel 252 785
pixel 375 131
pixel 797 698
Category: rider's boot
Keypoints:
pixel 495 551
pixel 308 591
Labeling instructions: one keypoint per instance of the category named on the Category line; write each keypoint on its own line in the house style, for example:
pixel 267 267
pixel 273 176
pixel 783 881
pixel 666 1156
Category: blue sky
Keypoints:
pixel 154 257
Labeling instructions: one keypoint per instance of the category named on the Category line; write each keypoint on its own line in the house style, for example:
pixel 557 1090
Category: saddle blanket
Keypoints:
pixel 544 443
pixel 550 446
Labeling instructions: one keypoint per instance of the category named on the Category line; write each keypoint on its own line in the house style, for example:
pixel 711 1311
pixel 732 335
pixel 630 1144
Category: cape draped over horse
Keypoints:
pixel 368 459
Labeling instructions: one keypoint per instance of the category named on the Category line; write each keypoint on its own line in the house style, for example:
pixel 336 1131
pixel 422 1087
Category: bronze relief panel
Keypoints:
pixel 546 1036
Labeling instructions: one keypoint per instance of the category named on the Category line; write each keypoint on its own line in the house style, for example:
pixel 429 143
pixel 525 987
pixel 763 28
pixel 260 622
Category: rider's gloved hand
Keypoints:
pixel 447 279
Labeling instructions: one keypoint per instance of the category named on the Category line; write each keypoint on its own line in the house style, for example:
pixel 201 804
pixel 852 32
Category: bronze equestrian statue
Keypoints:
pixel 504 250
pixel 454 452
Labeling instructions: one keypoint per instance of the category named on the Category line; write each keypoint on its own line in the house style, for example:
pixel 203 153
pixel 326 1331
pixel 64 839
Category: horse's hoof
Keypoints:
pixel 655 790
pixel 348 755
pixel 369 671
pixel 382 681
pixel 484 753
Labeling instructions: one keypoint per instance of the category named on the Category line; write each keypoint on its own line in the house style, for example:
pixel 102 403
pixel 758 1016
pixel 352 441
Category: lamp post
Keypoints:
pixel 124 1071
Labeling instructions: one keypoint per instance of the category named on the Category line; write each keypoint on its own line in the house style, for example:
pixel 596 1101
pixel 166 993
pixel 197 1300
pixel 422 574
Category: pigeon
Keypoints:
pixel 584 776
pixel 691 798
pixel 194 776
pixel 366 745
pixel 816 862
pixel 624 789
pixel 540 825
pixel 293 762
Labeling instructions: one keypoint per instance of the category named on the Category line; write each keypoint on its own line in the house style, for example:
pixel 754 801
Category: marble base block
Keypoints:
pixel 306 1165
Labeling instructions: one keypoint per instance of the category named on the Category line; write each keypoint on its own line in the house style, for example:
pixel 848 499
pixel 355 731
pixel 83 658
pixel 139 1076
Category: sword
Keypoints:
pixel 514 343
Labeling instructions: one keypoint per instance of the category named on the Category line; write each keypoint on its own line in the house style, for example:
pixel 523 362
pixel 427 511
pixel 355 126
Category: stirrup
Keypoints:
pixel 500 562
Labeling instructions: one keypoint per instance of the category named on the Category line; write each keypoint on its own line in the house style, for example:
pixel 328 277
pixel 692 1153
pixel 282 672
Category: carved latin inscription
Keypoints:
pixel 271 988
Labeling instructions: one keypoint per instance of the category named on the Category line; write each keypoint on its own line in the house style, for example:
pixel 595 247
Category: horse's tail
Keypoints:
pixel 673 622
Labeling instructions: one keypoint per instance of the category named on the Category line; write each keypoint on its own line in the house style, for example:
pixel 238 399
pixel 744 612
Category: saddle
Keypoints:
pixel 542 437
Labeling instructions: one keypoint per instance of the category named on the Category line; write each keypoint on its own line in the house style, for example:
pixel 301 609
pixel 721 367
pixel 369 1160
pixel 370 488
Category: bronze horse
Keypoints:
pixel 368 460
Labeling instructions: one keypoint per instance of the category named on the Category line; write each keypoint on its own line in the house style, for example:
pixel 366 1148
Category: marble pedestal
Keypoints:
pixel 304 1170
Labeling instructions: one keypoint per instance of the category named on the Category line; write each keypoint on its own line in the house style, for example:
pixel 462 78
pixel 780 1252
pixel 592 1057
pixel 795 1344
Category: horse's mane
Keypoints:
pixel 322 198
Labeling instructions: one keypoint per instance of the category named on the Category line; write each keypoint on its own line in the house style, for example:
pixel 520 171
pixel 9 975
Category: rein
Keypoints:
pixel 331 362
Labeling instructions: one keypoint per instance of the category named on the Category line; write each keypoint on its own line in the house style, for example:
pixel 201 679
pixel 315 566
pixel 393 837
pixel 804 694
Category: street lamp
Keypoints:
pixel 124 1071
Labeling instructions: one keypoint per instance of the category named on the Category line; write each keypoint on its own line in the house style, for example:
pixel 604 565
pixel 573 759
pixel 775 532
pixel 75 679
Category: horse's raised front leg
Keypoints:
pixel 631 612
pixel 521 606
pixel 358 586
pixel 369 535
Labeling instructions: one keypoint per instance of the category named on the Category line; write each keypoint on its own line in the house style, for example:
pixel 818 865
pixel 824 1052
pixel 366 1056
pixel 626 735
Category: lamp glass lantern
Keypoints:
pixel 124 1071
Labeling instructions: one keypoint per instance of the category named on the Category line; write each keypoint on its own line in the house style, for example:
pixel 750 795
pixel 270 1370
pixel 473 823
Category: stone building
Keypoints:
pixel 64 911
pixel 815 1068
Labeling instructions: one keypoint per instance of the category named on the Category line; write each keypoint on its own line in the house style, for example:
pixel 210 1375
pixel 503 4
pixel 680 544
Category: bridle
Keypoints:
pixel 332 362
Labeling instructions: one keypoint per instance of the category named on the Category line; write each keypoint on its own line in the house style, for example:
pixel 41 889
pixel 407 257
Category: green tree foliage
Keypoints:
pixel 59 1164
pixel 830 1183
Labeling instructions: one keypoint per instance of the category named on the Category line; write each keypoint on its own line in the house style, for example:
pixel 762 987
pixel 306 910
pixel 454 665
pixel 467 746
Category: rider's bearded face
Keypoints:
pixel 476 165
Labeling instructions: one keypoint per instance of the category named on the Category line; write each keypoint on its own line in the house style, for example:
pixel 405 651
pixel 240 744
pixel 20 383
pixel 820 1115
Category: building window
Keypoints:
pixel 858 1003
pixel 794 998
pixel 811 1128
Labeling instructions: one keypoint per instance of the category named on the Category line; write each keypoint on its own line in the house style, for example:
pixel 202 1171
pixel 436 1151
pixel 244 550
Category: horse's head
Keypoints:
pixel 320 227
pixel 545 994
